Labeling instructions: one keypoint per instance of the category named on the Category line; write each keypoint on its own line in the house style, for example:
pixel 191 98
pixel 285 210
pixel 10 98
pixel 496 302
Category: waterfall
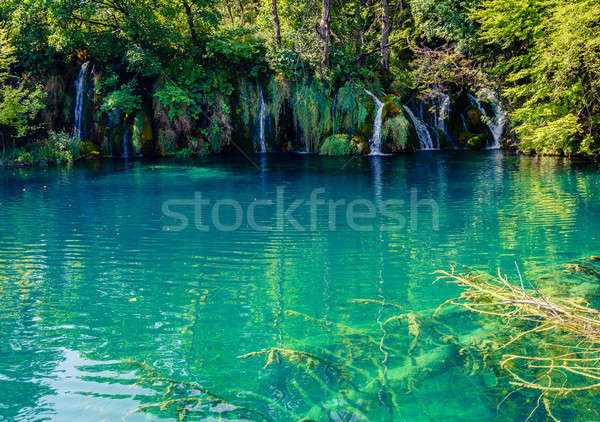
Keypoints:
pixel 80 100
pixel 464 122
pixel 261 122
pixel 496 125
pixel 425 141
pixel 375 141
pixel 126 142
pixel 441 113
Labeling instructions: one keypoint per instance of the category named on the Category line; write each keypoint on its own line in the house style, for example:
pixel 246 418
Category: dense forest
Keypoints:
pixel 191 77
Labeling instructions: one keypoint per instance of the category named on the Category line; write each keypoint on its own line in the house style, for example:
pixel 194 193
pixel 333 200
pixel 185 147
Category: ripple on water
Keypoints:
pixel 89 277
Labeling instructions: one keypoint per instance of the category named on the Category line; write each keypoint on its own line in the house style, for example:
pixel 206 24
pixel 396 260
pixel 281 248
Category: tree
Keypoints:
pixel 19 104
pixel 547 57
pixel 385 35
pixel 325 31
pixel 276 23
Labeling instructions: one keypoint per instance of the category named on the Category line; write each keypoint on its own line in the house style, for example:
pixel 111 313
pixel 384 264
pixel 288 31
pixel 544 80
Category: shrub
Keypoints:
pixel 62 148
pixel 395 131
pixel 338 145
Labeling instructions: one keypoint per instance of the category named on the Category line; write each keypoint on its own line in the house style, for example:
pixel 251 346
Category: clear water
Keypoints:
pixel 89 279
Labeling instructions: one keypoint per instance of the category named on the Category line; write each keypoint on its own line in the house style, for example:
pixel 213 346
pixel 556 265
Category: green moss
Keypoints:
pixel 361 144
pixel 89 148
pixel 24 158
pixel 476 141
pixel 462 138
pixel 395 132
pixel 338 145
pixel 59 148
pixel 312 112
pixel 353 109
pixel 390 106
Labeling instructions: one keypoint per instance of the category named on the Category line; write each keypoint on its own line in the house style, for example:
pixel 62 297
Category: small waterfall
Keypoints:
pixel 441 113
pixel 80 100
pixel 126 143
pixel 464 122
pixel 425 141
pixel 375 141
pixel 261 123
pixel 496 125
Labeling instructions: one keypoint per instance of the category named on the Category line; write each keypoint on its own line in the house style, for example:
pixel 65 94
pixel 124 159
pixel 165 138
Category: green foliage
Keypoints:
pixel 60 148
pixel 338 145
pixel 23 158
pixel 248 101
pixel 351 109
pixel 19 103
pixel 446 20
pixel 554 136
pixel 197 58
pixel 396 130
pixel 312 111
pixel 125 99
pixel 173 98
pixel 552 51
pixel 279 92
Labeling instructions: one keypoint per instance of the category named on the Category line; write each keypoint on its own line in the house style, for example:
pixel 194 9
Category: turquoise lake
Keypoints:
pixel 100 289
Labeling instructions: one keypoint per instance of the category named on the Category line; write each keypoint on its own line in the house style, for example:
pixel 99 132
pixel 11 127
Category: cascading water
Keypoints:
pixel 261 123
pixel 425 140
pixel 375 141
pixel 496 125
pixel 441 113
pixel 80 100
pixel 126 143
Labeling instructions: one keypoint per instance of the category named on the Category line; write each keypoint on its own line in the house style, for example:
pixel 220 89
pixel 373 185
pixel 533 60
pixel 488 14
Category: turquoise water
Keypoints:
pixel 93 275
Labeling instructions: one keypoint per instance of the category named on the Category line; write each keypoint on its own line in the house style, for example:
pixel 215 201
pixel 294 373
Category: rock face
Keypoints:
pixel 265 116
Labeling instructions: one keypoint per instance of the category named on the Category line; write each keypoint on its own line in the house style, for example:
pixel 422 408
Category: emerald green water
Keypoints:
pixel 89 279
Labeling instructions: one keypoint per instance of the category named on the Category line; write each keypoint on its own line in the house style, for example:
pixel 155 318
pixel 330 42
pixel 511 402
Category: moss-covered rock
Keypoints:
pixel 337 145
pixel 476 141
pixel 89 149
pixel 361 144
pixel 462 138
pixel 390 106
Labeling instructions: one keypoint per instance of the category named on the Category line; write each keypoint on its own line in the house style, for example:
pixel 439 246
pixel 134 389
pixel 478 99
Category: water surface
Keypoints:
pixel 91 276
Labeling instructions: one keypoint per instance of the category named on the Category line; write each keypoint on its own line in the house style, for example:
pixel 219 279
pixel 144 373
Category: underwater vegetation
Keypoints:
pixel 534 341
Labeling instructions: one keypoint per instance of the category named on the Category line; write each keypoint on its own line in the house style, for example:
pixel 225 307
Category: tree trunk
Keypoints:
pixel 325 31
pixel 385 36
pixel 242 12
pixel 190 21
pixel 229 12
pixel 276 23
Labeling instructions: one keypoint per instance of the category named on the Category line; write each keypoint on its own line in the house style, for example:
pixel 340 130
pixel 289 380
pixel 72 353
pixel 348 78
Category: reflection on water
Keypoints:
pixel 88 280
